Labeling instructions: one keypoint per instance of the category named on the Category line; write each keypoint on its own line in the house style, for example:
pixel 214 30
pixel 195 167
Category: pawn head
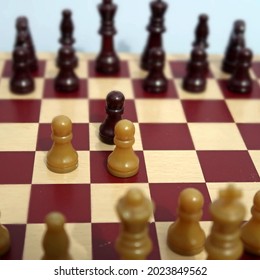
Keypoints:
pixel 61 126
pixel 55 221
pixel 245 55
pixel 115 100
pixel 191 200
pixel 124 130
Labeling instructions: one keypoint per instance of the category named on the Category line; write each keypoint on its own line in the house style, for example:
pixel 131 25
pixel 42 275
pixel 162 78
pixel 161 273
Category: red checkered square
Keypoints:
pixel 166 137
pixel 72 200
pixel 227 166
pixel 206 111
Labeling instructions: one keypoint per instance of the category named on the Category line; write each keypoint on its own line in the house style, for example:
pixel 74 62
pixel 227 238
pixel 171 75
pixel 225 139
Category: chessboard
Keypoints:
pixel 204 140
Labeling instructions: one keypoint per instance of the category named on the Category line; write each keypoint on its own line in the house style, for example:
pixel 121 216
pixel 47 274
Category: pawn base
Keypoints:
pixel 238 88
pixel 120 174
pixel 194 87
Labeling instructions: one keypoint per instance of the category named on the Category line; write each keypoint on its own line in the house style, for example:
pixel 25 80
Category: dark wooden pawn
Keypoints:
pixel 22 26
pixel 240 81
pixel 21 82
pixel 66 80
pixel 107 62
pixel 235 44
pixel 155 28
pixel 197 68
pixel 114 109
pixel 66 28
pixel 201 32
pixel 156 81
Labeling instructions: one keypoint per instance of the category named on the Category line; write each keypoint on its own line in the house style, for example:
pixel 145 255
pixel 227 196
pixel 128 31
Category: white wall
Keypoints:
pixel 131 19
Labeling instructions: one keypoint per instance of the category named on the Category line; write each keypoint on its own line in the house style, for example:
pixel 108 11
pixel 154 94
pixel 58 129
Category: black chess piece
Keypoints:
pixel 114 109
pixel 201 32
pixel 197 68
pixel 236 43
pixel 66 80
pixel 21 81
pixel 156 82
pixel 155 28
pixel 66 28
pixel 22 26
pixel 107 62
pixel 240 81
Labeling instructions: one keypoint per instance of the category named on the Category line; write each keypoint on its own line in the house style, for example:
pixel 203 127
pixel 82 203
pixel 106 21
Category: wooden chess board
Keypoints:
pixel 183 140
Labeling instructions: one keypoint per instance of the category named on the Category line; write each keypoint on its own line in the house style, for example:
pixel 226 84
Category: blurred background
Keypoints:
pixel 131 20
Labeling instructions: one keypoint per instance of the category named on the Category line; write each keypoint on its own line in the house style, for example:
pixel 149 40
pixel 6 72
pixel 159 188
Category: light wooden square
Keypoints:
pixel 5 92
pixel 216 136
pixel 76 109
pixel 159 111
pixel 173 166
pixel 14 202
pixel 212 91
pixel 42 175
pixel 52 70
pixel 215 66
pixel 167 253
pixel 79 236
pixel 244 110
pixel 248 192
pixel 18 136
pixel 5 55
pixel 106 197
pixel 98 88
pixel 97 145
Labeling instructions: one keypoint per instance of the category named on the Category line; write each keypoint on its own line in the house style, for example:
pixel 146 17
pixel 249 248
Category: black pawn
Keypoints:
pixel 66 28
pixel 240 82
pixel 22 26
pixel 156 81
pixel 236 43
pixel 201 32
pixel 197 68
pixel 107 62
pixel 21 81
pixel 66 80
pixel 114 109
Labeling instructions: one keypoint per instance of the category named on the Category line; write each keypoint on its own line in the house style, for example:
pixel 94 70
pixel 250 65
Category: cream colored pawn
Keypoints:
pixel 62 157
pixel 123 162
pixel 55 240
pixel 185 236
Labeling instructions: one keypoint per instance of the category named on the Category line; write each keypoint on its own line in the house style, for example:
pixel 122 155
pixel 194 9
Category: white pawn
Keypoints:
pixel 55 240
pixel 5 241
pixel 123 162
pixel 185 236
pixel 62 157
